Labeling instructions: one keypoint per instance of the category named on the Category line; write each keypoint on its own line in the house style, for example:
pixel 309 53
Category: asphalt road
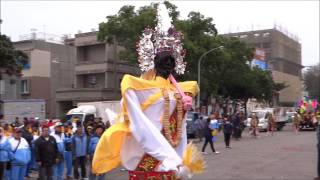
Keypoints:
pixel 284 156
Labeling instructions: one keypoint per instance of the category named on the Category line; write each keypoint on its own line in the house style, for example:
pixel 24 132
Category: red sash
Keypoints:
pixel 147 163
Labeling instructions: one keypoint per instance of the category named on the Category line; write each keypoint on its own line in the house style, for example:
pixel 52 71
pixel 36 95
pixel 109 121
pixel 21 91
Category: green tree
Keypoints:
pixel 228 67
pixel 311 80
pixel 11 60
pixel 125 28
pixel 226 72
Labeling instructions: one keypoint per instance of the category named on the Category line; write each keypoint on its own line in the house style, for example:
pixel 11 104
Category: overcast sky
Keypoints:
pixel 300 18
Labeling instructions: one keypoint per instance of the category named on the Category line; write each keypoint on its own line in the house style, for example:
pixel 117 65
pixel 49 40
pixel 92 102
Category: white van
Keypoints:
pixel 87 111
pixel 262 116
pixel 280 119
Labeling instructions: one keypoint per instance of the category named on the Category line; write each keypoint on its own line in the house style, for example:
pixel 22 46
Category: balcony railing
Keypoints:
pixel 87 94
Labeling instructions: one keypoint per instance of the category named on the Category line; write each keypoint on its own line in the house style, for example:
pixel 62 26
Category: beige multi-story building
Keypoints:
pixel 9 86
pixel 50 67
pixel 283 57
pixel 97 73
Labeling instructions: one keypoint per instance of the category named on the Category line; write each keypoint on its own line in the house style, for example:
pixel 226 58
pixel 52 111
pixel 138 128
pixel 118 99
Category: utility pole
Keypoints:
pixel 199 69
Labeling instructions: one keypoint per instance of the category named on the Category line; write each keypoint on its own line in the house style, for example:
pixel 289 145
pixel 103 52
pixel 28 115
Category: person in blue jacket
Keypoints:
pixel 68 133
pixel 214 126
pixel 99 129
pixel 21 156
pixel 5 150
pixel 58 168
pixel 36 135
pixel 80 151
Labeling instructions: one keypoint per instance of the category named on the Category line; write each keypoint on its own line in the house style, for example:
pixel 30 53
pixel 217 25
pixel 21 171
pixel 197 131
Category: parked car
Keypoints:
pixel 290 116
pixel 261 115
pixel 280 118
pixel 190 119
pixel 87 111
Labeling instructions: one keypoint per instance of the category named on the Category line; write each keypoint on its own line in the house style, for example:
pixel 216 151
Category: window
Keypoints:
pixel 24 86
pixel 266 34
pixel 2 87
pixel 26 66
pixel 243 36
pixel 95 53
pixel 89 81
pixel 96 80
pixel 92 80
pixel 256 35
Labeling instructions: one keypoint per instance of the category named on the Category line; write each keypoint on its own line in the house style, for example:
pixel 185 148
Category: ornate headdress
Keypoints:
pixel 163 38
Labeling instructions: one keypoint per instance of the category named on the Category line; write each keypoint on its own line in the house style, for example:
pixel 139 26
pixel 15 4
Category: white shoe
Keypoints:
pixel 205 153
pixel 123 169
pixel 217 152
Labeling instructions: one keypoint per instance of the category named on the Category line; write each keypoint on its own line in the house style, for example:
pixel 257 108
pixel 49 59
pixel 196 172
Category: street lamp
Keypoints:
pixel 199 64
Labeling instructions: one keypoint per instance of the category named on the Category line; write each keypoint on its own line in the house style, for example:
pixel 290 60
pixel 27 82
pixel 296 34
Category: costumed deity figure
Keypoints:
pixel 149 136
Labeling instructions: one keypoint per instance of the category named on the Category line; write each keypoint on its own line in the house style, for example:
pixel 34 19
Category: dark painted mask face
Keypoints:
pixel 164 64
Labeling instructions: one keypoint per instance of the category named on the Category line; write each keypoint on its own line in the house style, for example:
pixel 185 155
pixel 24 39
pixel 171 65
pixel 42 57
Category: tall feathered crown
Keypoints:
pixel 163 38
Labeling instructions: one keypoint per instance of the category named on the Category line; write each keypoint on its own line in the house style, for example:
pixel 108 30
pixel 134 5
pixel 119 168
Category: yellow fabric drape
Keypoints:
pixel 107 154
pixel 151 100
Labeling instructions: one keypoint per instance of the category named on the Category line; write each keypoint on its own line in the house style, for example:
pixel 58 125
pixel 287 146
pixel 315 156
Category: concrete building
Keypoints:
pixel 283 57
pixel 50 67
pixel 9 86
pixel 98 72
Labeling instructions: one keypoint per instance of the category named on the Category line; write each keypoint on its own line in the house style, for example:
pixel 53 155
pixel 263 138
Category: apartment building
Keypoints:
pixel 283 58
pixel 50 67
pixel 97 73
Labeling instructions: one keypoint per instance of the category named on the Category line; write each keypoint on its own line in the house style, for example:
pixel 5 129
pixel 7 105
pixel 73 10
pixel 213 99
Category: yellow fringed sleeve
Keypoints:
pixel 193 159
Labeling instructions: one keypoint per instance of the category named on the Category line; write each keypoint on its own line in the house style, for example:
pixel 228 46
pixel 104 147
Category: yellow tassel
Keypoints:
pixel 193 159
